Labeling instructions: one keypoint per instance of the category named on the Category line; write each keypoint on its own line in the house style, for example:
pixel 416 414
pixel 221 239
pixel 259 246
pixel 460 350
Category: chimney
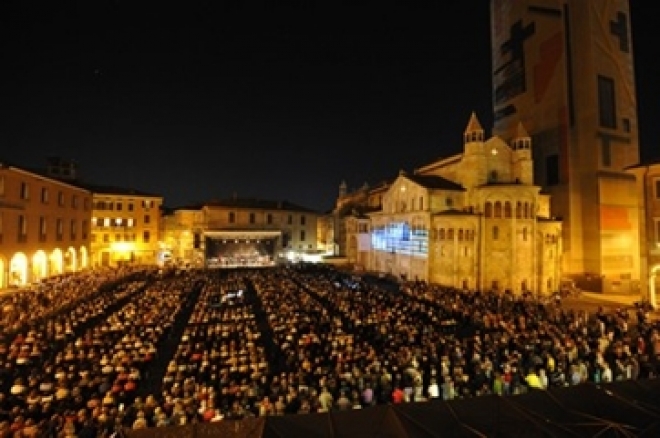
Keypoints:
pixel 60 168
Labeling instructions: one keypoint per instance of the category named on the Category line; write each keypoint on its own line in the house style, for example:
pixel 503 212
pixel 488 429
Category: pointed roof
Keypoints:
pixel 521 132
pixel 473 125
pixel 434 182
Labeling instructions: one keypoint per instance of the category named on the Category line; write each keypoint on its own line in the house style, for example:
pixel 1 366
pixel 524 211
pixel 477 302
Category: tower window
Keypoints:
pixel 488 211
pixel 606 102
pixel 619 29
pixel 498 209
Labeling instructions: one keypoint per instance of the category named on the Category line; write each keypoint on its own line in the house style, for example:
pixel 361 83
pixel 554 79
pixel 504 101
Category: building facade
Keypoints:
pixel 241 232
pixel 325 234
pixel 475 221
pixel 349 212
pixel 125 227
pixel 565 70
pixel 44 226
pixel 648 188
pixel 180 227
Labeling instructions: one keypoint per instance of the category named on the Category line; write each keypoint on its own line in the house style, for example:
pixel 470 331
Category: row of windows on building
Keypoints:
pixel 495 285
pixel 119 206
pixel 460 234
pixel 25 193
pixel 523 209
pixel 252 218
pixel 415 204
pixel 498 209
pixel 22 228
pixel 420 248
pixel 44 195
pixel 469 235
pixel 118 221
pixel 467 251
pixel 126 237
pixel 286 237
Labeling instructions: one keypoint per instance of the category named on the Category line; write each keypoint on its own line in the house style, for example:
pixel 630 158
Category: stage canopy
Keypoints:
pixel 232 248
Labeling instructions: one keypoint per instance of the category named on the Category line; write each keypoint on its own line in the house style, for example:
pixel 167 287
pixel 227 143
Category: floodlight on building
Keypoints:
pixel 122 246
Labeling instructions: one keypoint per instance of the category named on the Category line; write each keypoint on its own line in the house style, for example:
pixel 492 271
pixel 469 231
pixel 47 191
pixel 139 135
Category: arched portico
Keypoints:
pixel 655 272
pixel 3 273
pixel 18 270
pixel 39 266
pixel 70 260
pixel 56 260
pixel 84 258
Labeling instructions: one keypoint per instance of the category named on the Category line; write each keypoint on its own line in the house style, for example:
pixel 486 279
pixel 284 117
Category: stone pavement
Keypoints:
pixel 12 290
pixel 8 290
pixel 613 300
pixel 623 300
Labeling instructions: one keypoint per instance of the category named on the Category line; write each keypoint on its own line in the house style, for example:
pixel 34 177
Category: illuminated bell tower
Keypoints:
pixel 523 164
pixel 474 164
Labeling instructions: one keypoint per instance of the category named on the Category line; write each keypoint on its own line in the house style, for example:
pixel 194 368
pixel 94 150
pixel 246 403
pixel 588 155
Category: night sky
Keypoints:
pixel 201 100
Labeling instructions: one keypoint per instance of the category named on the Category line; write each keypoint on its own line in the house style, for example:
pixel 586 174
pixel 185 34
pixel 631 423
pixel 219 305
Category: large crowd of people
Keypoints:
pixel 89 354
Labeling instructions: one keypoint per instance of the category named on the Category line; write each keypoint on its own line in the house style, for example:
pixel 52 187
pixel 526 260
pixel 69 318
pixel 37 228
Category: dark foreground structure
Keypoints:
pixel 620 409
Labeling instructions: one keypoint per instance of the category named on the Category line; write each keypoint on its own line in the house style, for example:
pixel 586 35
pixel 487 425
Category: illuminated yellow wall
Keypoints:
pixel 178 231
pixel 648 189
pixel 125 228
pixel 44 226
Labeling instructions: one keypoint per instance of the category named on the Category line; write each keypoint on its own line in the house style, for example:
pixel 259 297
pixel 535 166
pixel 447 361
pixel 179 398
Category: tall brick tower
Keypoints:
pixel 564 68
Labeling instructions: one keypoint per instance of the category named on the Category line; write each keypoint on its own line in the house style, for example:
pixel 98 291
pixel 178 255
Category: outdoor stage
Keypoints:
pixel 237 249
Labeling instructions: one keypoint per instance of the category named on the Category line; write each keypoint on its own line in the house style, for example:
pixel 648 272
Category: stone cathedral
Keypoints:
pixel 474 220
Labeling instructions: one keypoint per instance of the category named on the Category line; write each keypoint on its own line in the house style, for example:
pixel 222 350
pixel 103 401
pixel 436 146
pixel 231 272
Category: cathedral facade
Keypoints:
pixel 472 221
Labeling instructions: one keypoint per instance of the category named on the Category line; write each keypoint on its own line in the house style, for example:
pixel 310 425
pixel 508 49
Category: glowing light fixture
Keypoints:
pixel 122 246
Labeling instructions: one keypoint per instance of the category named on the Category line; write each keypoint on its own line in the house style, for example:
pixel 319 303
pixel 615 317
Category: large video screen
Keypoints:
pixel 398 237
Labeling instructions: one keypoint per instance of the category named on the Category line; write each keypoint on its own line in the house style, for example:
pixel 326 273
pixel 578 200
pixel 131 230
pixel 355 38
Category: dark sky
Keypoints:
pixel 279 100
